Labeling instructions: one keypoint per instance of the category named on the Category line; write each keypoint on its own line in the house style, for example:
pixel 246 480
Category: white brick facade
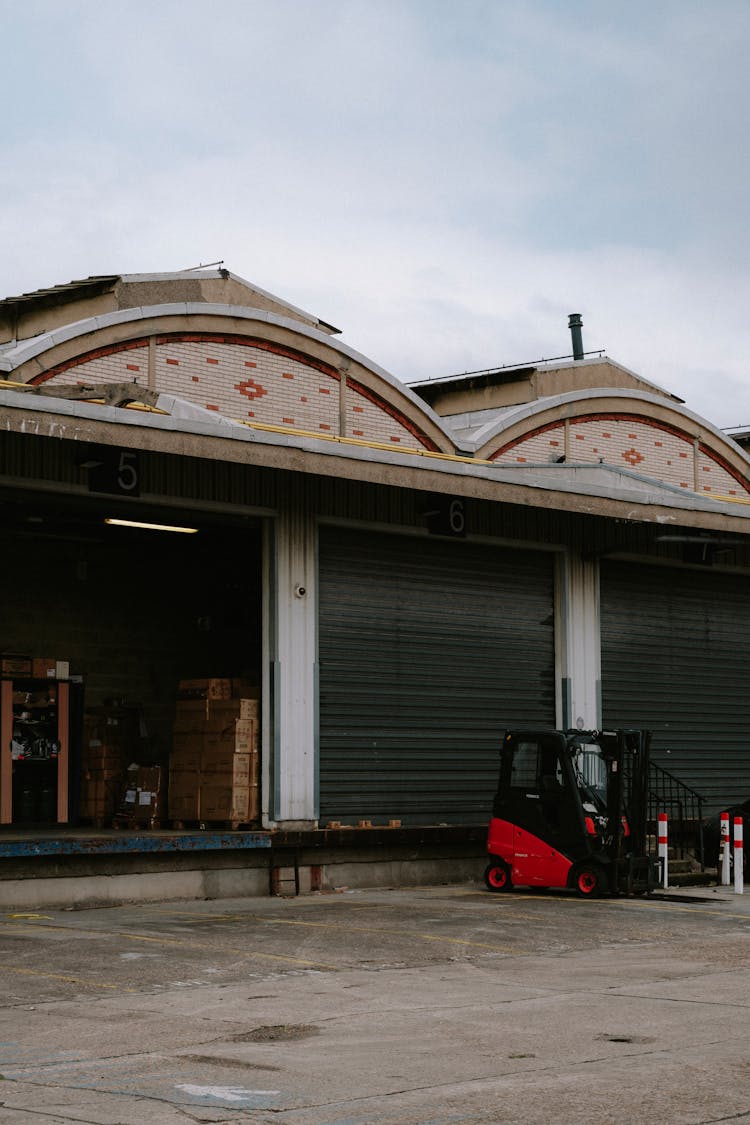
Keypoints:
pixel 256 383
pixel 629 442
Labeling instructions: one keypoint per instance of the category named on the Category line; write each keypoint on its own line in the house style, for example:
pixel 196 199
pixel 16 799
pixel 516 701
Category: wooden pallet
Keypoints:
pixel 147 823
pixel 212 825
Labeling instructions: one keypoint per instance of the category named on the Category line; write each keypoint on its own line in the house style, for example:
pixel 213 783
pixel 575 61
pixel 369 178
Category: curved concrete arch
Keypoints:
pixel 46 356
pixel 520 431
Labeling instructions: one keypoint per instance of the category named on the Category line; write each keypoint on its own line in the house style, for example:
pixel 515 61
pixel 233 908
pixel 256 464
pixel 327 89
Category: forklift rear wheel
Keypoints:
pixel 590 881
pixel 497 877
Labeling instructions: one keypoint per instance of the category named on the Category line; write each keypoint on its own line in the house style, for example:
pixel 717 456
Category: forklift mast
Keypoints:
pixel 626 753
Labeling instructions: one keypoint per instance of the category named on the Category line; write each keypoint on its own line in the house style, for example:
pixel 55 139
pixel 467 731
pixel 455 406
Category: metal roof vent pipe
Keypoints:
pixel 575 324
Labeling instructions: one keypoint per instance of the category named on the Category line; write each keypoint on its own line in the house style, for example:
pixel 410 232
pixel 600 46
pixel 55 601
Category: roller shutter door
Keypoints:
pixel 428 649
pixel 675 658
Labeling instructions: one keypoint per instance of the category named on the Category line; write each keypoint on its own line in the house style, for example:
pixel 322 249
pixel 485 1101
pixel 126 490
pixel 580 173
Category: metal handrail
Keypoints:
pixel 684 808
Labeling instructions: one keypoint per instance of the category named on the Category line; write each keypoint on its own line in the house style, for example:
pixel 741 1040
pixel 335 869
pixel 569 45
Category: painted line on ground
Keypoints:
pixel 68 979
pixel 176 942
pixel 392 933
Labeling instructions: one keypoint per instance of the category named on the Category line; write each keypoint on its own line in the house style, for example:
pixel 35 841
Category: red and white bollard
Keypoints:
pixel 724 821
pixel 739 859
pixel 663 839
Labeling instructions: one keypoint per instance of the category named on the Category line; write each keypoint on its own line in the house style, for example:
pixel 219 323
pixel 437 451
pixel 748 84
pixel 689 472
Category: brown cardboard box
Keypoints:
pixel 225 802
pixel 99 797
pixel 204 689
pixel 43 668
pixel 184 806
pixel 186 757
pixel 142 794
pixel 241 735
pixel 250 709
pixel 228 767
pixel 184 782
pixel 112 731
pixel 187 739
pixel 103 773
pixel 97 756
pixel 245 689
pixel 222 715
pixel 191 714
pixel 15 666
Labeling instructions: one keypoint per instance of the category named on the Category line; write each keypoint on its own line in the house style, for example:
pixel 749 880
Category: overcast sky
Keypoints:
pixel 444 181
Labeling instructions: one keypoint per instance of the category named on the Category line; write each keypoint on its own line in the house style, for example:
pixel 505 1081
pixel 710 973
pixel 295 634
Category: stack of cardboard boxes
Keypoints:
pixel 213 767
pixel 111 738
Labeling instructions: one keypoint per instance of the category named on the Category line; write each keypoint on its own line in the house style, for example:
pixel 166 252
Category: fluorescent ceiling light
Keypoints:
pixel 153 526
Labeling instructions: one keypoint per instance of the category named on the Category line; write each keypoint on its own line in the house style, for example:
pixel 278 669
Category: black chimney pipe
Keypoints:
pixel 575 324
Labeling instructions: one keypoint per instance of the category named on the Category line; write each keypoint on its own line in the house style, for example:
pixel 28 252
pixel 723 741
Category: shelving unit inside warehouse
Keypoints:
pixel 34 741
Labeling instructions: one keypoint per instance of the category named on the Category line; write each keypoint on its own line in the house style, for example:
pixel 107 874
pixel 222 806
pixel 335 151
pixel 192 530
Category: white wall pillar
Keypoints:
pixel 292 795
pixel 579 649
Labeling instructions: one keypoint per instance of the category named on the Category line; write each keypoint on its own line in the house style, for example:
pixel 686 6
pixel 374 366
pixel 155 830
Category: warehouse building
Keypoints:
pixel 351 584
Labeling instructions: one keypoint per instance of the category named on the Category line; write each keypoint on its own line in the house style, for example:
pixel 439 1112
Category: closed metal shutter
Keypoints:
pixel 428 650
pixel 675 659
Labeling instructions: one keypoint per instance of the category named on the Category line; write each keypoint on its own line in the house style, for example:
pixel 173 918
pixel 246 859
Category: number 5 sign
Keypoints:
pixel 116 471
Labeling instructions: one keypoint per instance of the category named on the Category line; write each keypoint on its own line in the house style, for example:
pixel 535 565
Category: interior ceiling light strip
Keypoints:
pixel 152 526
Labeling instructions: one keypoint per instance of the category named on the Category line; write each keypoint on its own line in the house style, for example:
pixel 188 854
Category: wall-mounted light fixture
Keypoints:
pixel 152 526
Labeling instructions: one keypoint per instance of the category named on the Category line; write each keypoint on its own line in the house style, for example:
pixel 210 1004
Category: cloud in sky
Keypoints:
pixel 444 182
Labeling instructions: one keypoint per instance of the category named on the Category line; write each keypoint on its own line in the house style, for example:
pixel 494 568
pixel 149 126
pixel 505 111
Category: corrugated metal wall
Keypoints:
pixel 675 658
pixel 428 650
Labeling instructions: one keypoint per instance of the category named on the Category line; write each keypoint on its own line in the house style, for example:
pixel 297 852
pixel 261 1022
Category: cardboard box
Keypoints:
pixel 44 668
pixel 187 739
pixel 190 714
pixel 15 666
pixel 222 716
pixel 112 772
pixel 184 806
pixel 102 789
pixel 241 736
pixel 250 709
pixel 204 714
pixel 225 802
pixel 99 756
pixel 143 794
pixel 228 767
pixel 204 689
pixel 99 798
pixel 186 757
pixel 112 728
pixel 184 781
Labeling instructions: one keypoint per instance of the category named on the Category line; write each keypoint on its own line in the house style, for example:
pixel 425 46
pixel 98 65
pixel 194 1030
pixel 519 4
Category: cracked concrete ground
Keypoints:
pixel 424 1006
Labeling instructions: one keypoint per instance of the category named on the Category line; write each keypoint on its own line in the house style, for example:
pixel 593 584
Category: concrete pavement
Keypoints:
pixel 426 1006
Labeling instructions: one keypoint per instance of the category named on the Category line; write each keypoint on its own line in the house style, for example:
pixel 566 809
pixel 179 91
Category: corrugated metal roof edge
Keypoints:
pixel 62 291
pixel 589 480
pixel 70 289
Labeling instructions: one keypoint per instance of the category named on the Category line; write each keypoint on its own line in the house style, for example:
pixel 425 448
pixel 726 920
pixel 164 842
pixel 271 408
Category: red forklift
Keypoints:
pixel 571 810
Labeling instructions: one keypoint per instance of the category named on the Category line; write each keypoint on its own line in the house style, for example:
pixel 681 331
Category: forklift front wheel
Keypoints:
pixel 590 881
pixel 497 877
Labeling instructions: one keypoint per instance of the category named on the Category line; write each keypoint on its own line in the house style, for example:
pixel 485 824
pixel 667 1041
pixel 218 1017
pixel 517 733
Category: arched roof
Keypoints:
pixel 250 364
pixel 631 429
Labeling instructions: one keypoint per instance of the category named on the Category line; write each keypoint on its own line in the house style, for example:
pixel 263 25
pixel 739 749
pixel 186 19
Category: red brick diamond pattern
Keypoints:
pixel 251 389
pixel 632 456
